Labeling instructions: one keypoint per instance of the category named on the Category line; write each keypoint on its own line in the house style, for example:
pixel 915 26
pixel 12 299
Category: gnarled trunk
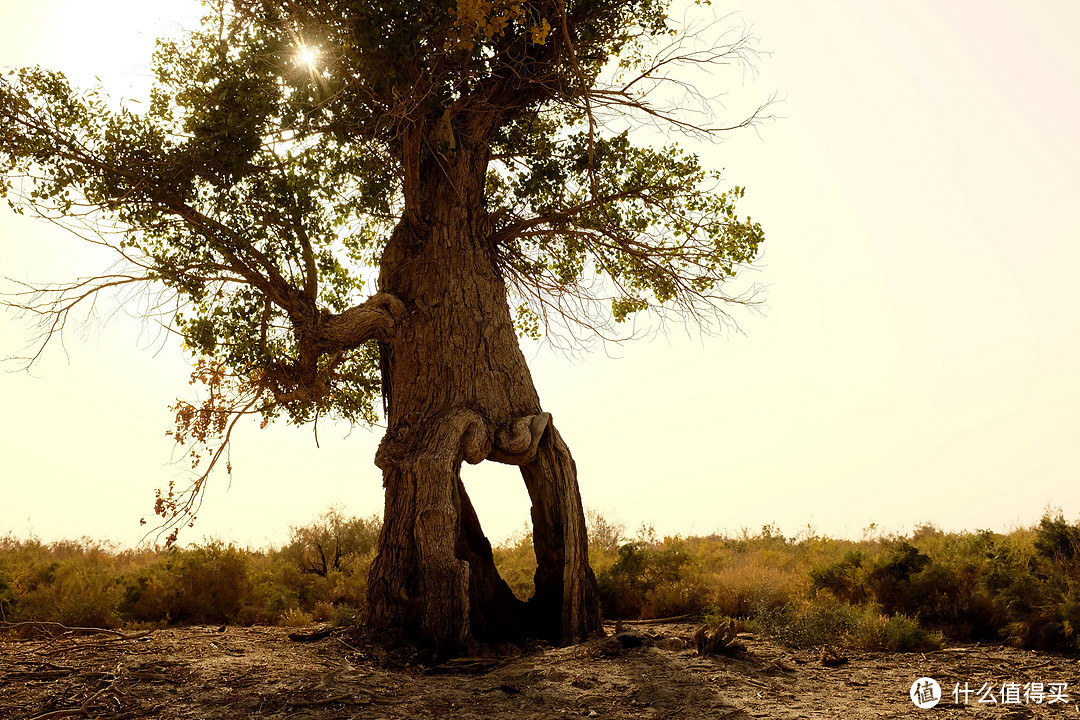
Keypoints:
pixel 460 390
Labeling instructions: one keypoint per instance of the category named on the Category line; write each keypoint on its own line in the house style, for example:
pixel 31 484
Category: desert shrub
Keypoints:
pixel 349 586
pixel 891 579
pixel 846 579
pixel 872 630
pixel 322 612
pixel 903 581
pixel 605 538
pixel 72 582
pixel 745 589
pixel 1057 541
pixel 269 597
pixel 1023 588
pixel 883 592
pixel 689 595
pixel 815 623
pixel 515 560
pixel 80 582
pixel 7 596
pixel 651 577
pixel 86 595
pixel 347 616
pixel 825 620
pixel 204 584
pixel 277 586
pixel 295 617
pixel 73 592
pixel 328 543
pixel 515 557
pixel 1043 609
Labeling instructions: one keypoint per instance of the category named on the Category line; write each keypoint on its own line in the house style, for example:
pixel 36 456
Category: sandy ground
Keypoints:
pixel 650 671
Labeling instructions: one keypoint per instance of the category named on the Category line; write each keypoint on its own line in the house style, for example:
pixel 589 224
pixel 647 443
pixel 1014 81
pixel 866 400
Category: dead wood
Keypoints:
pixel 311 636
pixel 715 640
pixel 83 710
pixel 657 621
pixel 341 698
pixel 57 629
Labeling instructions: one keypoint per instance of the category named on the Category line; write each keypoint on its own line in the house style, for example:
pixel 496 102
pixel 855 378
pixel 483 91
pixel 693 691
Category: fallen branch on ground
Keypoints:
pixel 83 710
pixel 61 629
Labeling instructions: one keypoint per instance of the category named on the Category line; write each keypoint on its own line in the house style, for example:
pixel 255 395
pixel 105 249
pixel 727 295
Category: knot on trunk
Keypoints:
pixel 517 440
pixel 476 440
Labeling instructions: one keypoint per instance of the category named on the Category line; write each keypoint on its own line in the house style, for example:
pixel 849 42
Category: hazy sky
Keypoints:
pixel 916 359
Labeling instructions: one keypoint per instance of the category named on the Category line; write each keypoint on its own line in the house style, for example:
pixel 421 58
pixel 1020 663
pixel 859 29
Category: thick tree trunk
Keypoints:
pixel 460 390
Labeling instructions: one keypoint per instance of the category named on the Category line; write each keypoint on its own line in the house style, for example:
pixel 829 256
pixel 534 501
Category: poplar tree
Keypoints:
pixel 356 208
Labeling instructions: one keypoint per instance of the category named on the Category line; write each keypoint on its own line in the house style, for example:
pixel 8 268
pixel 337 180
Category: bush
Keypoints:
pixel 828 621
pixel 1023 588
pixel 72 582
pixel 296 617
pixel 653 579
pixel 347 616
pixel 205 584
pixel 887 593
pixel 895 633
pixel 7 596
pixel 605 539
pixel 815 623
pixel 515 560
pixel 73 592
pixel 331 541
pixel 846 580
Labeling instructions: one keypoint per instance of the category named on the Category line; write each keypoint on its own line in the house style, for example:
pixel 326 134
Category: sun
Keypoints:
pixel 307 56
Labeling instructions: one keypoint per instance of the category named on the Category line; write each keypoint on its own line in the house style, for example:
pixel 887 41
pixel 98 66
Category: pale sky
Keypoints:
pixel 916 359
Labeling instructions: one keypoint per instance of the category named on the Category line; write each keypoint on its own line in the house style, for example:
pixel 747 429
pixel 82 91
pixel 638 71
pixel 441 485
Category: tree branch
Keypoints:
pixel 375 319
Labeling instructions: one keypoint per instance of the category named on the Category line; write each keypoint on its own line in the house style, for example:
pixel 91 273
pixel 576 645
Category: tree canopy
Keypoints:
pixel 287 141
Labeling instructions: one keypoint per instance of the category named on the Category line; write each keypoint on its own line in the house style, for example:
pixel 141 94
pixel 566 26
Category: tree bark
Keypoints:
pixel 566 606
pixel 460 390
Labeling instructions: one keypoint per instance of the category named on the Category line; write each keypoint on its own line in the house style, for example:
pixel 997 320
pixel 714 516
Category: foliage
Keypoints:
pixel 889 593
pixel 651 577
pixel 69 582
pixel 605 538
pixel 1022 588
pixel 206 584
pixel 331 542
pixel 827 621
pixel 7 596
pixel 87 583
pixel 515 560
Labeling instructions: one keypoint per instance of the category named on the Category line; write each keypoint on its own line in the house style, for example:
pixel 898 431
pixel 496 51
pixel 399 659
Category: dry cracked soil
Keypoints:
pixel 647 671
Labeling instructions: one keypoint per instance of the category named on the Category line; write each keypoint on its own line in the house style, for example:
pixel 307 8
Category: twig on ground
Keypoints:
pixel 83 709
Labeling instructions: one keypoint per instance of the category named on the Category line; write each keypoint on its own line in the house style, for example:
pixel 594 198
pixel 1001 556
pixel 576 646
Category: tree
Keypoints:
pixel 481 155
pixel 321 546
